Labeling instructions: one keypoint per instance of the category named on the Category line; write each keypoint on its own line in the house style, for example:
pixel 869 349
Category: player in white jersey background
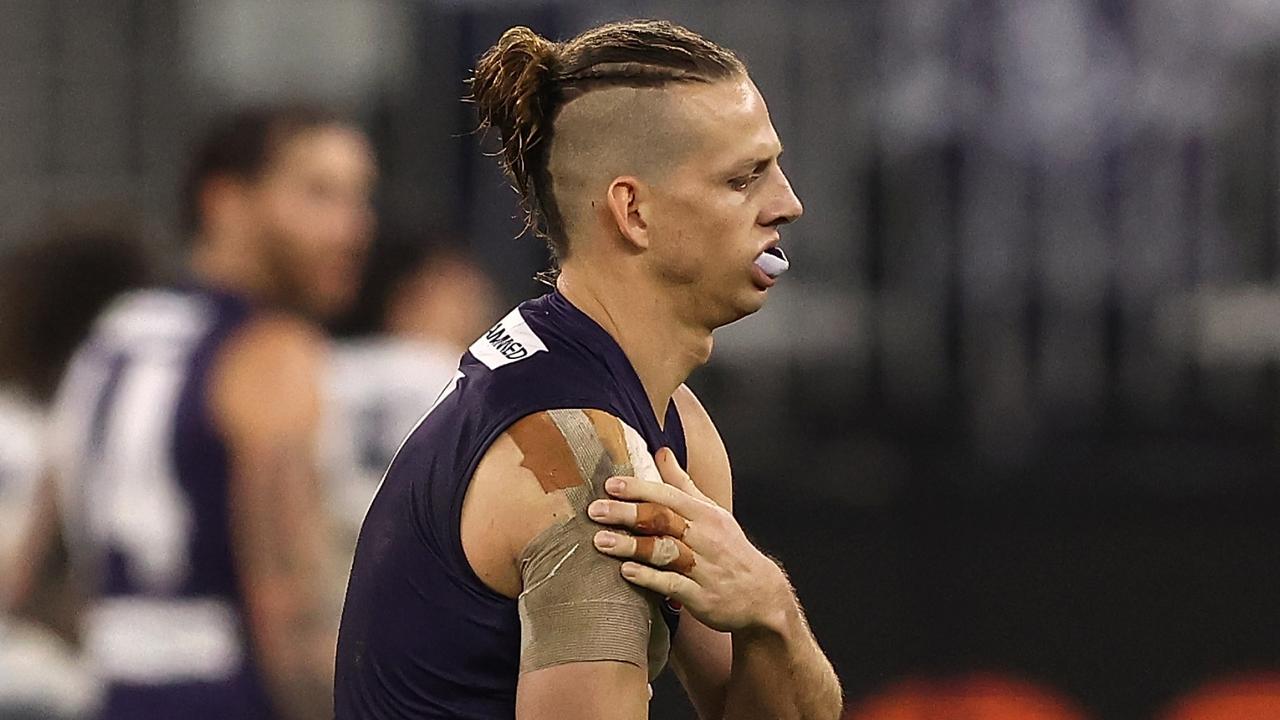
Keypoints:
pixel 40 676
pixel 51 287
pixel 426 302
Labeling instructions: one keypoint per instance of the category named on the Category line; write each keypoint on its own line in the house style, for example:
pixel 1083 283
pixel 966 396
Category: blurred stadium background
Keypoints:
pixel 1015 409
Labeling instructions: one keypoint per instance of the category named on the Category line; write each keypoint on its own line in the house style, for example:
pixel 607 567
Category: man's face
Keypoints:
pixel 721 205
pixel 312 210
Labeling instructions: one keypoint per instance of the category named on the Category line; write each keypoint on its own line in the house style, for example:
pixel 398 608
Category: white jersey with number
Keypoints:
pixel 377 390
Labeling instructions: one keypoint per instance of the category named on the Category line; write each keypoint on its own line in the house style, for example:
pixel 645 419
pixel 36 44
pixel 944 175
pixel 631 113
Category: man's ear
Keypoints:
pixel 627 203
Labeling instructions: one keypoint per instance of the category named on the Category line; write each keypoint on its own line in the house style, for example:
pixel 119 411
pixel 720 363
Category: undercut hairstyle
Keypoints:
pixel 520 84
pixel 243 144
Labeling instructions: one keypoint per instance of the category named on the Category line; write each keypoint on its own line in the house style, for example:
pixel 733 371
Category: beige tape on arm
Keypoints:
pixel 576 607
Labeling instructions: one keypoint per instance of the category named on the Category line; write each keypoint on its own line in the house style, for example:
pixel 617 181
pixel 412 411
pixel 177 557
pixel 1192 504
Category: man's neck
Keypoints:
pixel 220 266
pixel 663 347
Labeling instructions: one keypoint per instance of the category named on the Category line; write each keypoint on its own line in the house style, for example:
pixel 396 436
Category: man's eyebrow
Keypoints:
pixel 757 163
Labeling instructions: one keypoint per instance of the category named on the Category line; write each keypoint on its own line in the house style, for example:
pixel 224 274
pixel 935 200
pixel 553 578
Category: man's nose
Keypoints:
pixel 786 207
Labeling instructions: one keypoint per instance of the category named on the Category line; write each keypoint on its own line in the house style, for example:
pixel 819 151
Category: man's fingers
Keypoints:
pixel 665 552
pixel 629 488
pixel 644 517
pixel 654 519
pixel 661 552
pixel 672 474
pixel 667 584
pixel 611 512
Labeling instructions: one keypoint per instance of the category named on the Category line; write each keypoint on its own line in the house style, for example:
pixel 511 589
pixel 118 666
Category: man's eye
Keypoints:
pixel 743 183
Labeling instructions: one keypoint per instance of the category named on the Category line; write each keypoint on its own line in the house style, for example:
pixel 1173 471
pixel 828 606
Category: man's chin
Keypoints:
pixel 321 307
pixel 754 300
pixel 330 308
pixel 743 306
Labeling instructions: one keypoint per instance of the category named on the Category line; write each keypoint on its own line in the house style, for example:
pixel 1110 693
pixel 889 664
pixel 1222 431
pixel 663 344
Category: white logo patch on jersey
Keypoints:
pixel 510 340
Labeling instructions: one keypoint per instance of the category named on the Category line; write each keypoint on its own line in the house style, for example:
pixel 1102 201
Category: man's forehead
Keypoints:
pixel 335 147
pixel 724 99
pixel 732 114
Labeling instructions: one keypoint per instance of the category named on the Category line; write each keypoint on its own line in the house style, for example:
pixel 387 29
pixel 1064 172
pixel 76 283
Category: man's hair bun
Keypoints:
pixel 511 89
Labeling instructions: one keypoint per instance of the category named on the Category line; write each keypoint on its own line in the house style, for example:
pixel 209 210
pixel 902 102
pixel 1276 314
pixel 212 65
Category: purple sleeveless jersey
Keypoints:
pixel 145 497
pixel 422 636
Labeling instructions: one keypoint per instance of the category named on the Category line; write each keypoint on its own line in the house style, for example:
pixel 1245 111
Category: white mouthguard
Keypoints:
pixel 773 262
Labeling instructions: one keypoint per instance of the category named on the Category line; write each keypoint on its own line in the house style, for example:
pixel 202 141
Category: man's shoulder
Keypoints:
pixel 514 338
pixel 275 347
pixel 539 473
pixel 526 361
pixel 141 317
pixel 268 373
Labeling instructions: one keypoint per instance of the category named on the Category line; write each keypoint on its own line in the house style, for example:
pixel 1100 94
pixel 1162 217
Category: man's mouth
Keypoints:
pixel 773 262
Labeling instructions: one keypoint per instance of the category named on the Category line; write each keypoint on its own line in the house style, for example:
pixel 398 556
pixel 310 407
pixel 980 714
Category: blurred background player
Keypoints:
pixel 445 299
pixel 51 288
pixel 186 432
pixel 426 302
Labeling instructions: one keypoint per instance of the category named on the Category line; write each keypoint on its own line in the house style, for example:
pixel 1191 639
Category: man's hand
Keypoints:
pixel 693 551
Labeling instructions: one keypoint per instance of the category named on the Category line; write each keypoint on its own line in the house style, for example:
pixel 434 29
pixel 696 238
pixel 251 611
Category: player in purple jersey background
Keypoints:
pixel 186 430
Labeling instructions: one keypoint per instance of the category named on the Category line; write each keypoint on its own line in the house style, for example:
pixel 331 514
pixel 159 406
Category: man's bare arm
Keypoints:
pixel 606 690
pixel 36 583
pixel 264 396
pixel 525 510
pixel 701 657
pixel 777 669
pixel 20 572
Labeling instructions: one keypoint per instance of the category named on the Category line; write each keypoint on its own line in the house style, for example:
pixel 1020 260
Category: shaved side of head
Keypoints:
pixel 612 133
